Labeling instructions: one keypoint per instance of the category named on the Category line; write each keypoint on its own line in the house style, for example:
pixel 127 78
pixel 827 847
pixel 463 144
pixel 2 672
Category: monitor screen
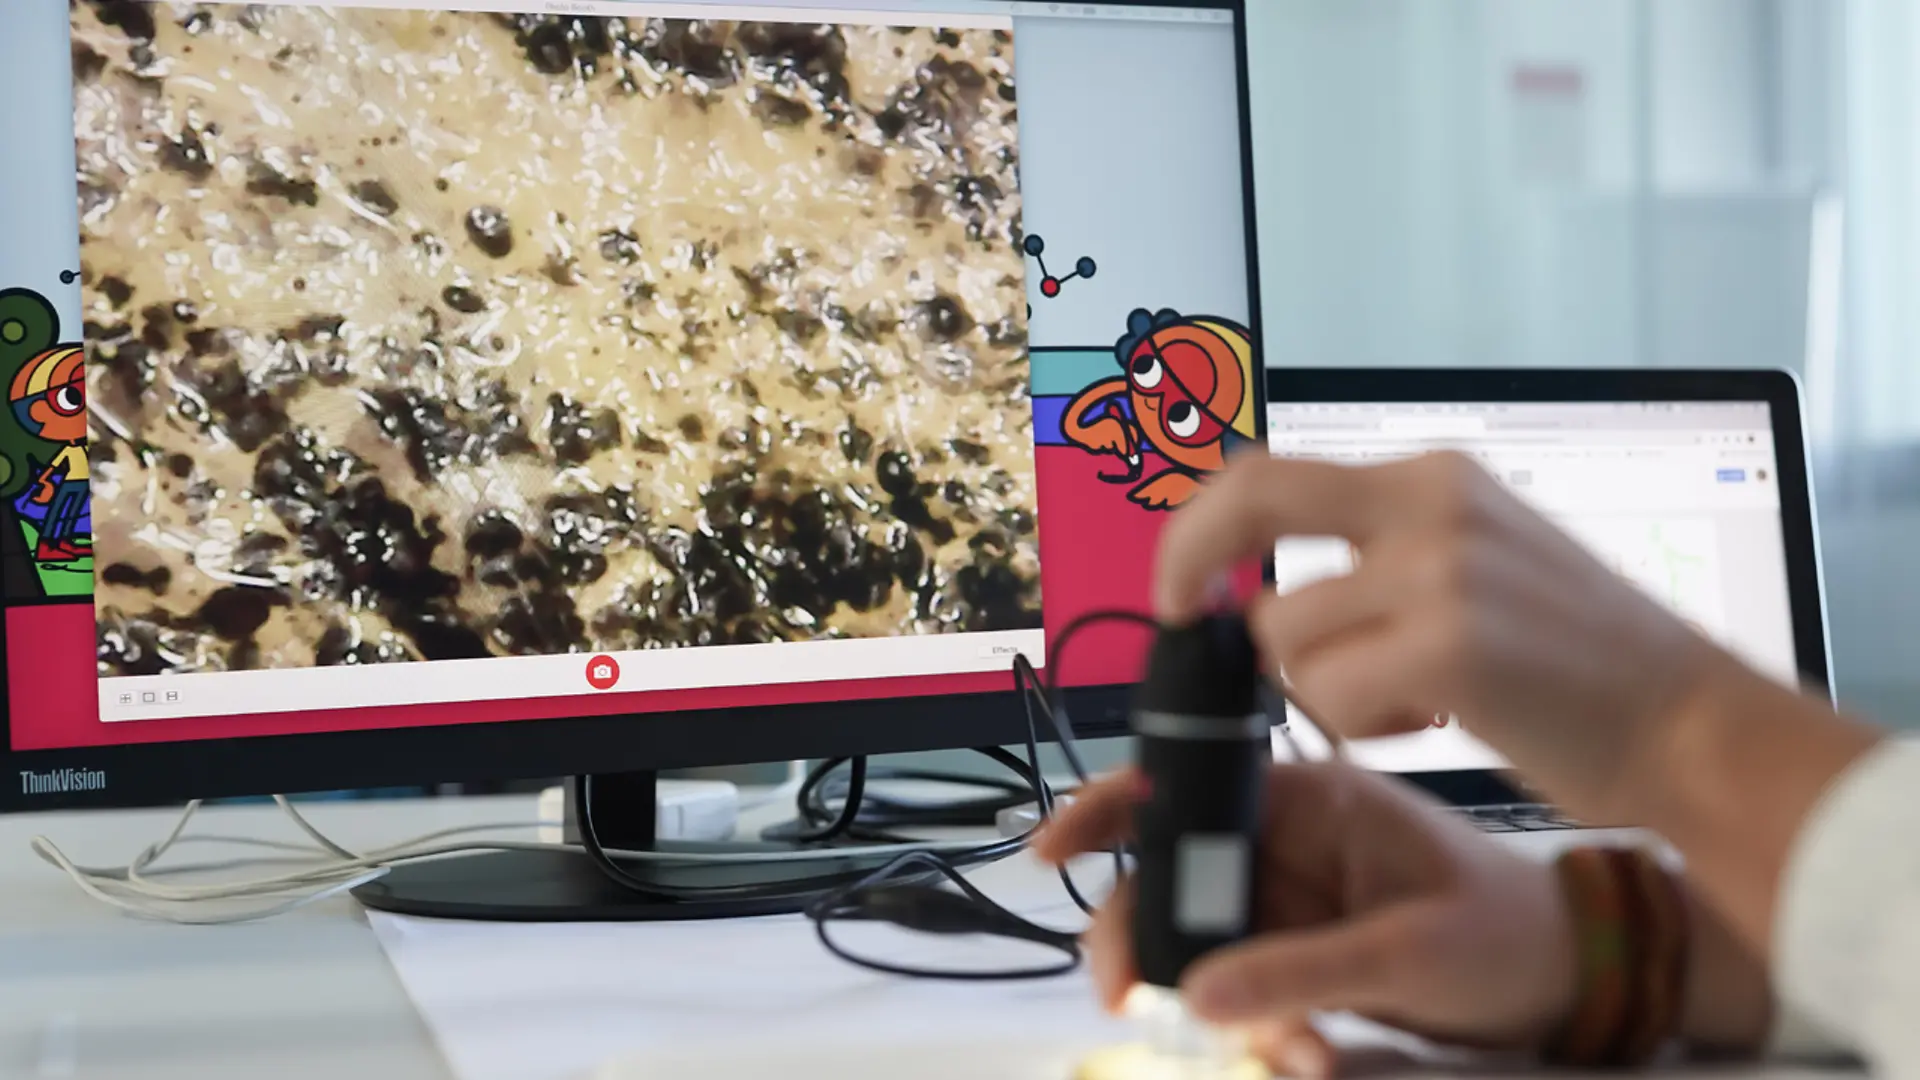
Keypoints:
pixel 1682 498
pixel 406 363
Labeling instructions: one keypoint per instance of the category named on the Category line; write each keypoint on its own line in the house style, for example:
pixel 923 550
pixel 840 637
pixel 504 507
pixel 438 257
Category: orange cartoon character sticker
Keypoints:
pixel 1185 397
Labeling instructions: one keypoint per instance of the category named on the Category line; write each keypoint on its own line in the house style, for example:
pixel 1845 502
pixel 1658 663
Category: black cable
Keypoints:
pixel 906 899
pixel 1022 680
pixel 879 813
pixel 810 808
pixel 1025 680
pixel 1057 648
pixel 1025 770
pixel 808 885
pixel 815 777
pixel 937 911
pixel 801 887
pixel 892 811
pixel 812 812
pixel 915 905
pixel 597 854
pixel 856 787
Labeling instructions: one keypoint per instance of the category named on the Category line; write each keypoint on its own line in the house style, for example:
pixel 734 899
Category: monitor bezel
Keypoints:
pixel 148 773
pixel 1778 389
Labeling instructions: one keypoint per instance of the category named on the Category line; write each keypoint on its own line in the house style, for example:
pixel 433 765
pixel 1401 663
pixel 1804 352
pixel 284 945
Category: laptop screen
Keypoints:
pixel 1682 498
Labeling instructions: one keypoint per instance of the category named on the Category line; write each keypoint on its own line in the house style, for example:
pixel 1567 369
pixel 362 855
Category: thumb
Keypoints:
pixel 1350 965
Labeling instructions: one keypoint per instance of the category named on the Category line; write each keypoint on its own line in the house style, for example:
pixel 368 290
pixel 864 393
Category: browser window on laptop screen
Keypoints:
pixel 1682 498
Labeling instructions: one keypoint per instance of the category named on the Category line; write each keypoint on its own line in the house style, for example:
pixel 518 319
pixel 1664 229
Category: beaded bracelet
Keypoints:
pixel 1630 925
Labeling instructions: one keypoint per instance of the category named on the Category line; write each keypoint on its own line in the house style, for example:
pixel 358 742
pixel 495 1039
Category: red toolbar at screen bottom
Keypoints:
pixel 1097 552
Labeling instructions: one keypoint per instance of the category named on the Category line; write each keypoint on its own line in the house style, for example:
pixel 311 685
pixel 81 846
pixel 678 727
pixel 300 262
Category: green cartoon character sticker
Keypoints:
pixel 45 519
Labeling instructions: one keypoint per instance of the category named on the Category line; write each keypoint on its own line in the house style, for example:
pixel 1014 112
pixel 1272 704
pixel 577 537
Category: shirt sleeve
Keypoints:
pixel 1847 927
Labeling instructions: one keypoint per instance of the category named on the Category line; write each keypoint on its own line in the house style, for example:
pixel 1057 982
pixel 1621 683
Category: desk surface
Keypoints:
pixel 308 994
pixel 87 991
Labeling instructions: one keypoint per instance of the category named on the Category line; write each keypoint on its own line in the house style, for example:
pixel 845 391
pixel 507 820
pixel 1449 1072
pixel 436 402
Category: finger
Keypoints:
pixel 1388 679
pixel 1100 815
pixel 1109 947
pixel 1345 723
pixel 1356 965
pixel 1292 1047
pixel 1252 503
pixel 1286 625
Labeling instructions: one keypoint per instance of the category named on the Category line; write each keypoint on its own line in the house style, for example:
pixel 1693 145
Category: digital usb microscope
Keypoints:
pixel 1202 739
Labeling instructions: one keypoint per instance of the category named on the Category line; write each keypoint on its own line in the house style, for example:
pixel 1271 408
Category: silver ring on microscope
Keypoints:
pixel 1221 728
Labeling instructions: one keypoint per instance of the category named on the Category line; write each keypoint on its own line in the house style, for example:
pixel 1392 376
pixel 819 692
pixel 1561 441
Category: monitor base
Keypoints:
pixel 562 885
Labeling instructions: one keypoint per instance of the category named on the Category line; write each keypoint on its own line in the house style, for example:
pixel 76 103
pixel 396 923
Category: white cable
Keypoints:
pixel 306 827
pixel 119 878
pixel 131 880
pixel 143 906
pixel 128 889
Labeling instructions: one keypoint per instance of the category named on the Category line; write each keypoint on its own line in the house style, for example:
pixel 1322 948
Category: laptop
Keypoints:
pixel 1692 484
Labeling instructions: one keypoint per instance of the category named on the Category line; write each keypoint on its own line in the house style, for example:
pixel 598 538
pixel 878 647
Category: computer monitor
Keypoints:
pixel 413 391
pixel 1692 484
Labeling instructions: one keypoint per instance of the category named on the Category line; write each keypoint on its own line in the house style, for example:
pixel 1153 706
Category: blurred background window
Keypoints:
pixel 1615 183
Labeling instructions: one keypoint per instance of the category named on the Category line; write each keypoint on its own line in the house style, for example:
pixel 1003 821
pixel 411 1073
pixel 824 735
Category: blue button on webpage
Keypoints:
pixel 1732 476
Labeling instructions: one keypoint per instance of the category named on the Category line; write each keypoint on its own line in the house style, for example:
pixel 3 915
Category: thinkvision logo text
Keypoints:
pixel 61 781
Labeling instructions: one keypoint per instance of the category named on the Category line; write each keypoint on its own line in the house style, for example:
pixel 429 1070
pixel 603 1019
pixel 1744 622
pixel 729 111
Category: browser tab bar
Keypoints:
pixel 1430 426
pixel 1158 13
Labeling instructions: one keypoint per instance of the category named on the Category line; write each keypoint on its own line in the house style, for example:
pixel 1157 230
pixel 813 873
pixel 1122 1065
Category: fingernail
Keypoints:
pixel 1140 786
pixel 1306 1060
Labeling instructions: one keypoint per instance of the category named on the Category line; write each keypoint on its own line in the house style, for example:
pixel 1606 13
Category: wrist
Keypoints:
pixel 1677 694
pixel 1680 736
pixel 1607 757
pixel 1727 1005
pixel 1734 734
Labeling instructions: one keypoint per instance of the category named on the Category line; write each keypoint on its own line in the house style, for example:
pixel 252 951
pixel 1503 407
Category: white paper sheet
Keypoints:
pixel 760 999
pixel 566 1001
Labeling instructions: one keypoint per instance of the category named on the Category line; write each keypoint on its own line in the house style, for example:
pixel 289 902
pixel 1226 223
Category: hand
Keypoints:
pixel 1111 434
pixel 1464 602
pixel 1373 901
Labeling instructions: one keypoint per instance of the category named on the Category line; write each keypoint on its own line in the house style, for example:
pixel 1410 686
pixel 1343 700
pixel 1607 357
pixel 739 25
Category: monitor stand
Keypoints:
pixel 563 885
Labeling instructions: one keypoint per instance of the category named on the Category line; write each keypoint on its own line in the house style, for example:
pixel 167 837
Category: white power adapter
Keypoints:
pixel 686 809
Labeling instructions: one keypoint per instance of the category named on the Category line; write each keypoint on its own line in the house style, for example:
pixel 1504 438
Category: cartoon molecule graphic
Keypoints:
pixel 1050 285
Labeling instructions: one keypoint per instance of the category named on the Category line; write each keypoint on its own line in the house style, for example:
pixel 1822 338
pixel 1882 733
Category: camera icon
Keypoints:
pixel 603 673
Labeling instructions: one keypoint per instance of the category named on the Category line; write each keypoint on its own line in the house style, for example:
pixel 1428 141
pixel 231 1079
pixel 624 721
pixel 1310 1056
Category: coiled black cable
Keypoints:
pixel 886 896
pixel 868 894
pixel 898 893
pixel 849 811
pixel 880 815
pixel 802 887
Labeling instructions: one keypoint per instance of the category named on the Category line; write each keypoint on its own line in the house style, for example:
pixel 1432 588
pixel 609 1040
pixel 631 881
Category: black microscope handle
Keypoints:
pixel 1198 835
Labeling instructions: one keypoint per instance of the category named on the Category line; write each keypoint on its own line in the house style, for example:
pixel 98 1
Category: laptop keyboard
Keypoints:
pixel 1521 817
